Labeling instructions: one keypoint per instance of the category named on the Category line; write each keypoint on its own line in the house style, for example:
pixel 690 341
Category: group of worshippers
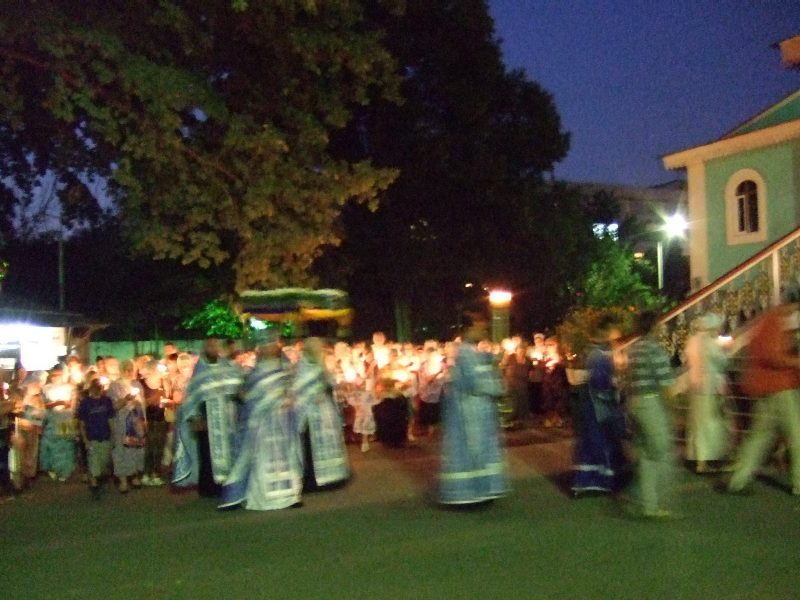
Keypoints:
pixel 642 374
pixel 258 428
pixel 536 382
pixel 258 431
pixel 390 391
pixel 93 419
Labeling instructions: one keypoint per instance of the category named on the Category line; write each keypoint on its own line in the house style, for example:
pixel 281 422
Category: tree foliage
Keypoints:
pixel 207 120
pixel 616 278
pixel 472 141
pixel 217 319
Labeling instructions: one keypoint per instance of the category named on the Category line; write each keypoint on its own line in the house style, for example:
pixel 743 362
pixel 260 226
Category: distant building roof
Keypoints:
pixel 20 310
pixel 784 111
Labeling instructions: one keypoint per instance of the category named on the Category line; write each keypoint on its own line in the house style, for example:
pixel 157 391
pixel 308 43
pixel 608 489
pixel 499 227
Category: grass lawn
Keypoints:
pixel 380 537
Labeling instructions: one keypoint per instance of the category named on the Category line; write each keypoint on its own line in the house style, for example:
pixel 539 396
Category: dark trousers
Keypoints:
pixel 154 448
pixel 206 486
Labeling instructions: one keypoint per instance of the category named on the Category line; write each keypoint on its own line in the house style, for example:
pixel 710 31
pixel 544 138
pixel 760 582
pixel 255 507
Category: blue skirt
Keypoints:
pixel 473 465
pixel 598 447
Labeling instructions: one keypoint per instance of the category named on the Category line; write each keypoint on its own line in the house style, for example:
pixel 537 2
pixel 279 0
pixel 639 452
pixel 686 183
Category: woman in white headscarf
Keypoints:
pixel 707 426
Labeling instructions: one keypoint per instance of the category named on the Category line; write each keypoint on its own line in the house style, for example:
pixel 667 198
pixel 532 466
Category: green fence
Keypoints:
pixel 124 350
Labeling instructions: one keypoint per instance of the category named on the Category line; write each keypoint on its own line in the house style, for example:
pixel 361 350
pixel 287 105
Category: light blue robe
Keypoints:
pixel 473 465
pixel 268 471
pixel 57 444
pixel 317 410
pixel 215 385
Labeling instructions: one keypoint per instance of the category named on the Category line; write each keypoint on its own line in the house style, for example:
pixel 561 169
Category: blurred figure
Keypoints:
pixel 707 426
pixel 555 387
pixel 599 422
pixel 536 354
pixel 431 384
pixel 155 392
pixel 128 428
pixel 393 413
pixel 28 428
pixel 772 378
pixel 57 448
pixel 650 382
pixel 179 370
pixel 517 369
pixel 95 416
pixel 473 466
pixel 268 471
pixel 380 351
pixel 205 428
pixel 319 421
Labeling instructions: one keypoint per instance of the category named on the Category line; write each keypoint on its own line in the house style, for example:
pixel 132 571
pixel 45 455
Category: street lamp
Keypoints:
pixel 500 303
pixel 674 226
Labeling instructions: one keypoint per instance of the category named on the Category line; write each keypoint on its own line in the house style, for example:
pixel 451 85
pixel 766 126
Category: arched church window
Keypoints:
pixel 747 206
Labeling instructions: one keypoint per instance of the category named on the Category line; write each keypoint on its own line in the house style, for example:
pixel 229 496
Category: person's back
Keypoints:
pixel 772 378
pixel 772 363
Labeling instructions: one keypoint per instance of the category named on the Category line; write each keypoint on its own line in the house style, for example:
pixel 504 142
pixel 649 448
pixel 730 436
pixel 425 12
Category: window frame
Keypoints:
pixel 732 202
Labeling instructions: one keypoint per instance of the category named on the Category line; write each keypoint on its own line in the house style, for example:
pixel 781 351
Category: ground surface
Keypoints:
pixel 381 537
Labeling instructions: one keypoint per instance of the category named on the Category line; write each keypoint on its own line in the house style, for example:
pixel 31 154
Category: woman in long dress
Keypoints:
pixel 127 454
pixel 599 420
pixel 707 426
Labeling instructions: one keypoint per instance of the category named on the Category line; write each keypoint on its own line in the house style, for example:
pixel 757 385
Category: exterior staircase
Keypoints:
pixel 739 296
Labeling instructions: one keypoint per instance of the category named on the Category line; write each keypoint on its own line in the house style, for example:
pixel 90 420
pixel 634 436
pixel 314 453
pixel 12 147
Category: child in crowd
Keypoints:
pixel 95 415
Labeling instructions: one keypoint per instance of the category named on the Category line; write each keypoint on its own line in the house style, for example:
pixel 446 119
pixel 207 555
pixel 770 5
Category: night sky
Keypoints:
pixel 636 79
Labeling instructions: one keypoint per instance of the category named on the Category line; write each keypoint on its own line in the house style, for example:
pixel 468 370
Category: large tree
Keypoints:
pixel 473 141
pixel 207 122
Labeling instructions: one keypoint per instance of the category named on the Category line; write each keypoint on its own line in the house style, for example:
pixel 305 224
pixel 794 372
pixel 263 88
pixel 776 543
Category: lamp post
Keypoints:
pixel 674 226
pixel 500 303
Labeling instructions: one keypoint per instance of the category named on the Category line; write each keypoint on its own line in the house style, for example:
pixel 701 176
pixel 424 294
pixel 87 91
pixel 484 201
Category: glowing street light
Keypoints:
pixel 675 225
pixel 500 303
pixel 499 298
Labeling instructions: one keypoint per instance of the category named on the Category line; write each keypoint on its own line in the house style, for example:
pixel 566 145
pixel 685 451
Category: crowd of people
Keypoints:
pixel 259 427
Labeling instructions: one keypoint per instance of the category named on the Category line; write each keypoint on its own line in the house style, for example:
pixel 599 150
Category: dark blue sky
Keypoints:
pixel 636 79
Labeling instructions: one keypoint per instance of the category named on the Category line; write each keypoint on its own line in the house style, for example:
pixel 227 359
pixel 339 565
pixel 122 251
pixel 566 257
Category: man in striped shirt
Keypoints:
pixel 650 381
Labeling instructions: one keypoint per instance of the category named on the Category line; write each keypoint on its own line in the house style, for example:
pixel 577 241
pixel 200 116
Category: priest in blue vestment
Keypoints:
pixel 319 420
pixel 268 471
pixel 473 466
pixel 205 427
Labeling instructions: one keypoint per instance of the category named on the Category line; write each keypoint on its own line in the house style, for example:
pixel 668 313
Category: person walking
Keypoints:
pixel 319 423
pixel 268 471
pixel 772 379
pixel 651 381
pixel 599 422
pixel 473 468
pixel 707 426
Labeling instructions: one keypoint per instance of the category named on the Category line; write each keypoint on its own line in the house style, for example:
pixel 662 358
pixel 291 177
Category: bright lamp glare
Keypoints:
pixel 499 297
pixel 675 225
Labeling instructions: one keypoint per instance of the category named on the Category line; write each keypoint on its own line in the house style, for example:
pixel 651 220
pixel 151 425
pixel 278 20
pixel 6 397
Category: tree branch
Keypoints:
pixel 39 64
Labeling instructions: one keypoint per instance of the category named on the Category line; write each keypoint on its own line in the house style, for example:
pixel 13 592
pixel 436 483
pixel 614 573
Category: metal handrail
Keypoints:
pixel 731 275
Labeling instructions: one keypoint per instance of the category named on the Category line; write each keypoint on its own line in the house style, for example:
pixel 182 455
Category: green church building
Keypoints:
pixel 743 190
